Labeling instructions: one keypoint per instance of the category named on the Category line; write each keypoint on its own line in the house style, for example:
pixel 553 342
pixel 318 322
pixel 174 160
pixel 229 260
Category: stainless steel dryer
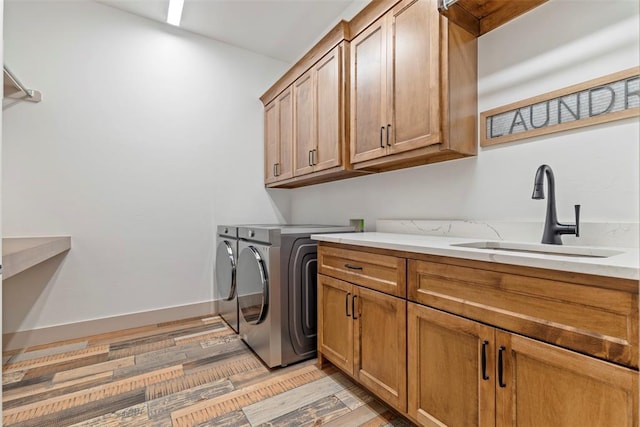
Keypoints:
pixel 225 274
pixel 276 284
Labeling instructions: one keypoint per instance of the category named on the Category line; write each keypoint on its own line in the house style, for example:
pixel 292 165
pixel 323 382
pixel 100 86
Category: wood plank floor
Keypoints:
pixel 195 372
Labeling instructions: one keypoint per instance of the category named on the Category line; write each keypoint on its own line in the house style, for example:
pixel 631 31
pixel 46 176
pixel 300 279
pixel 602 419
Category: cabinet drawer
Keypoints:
pixel 384 273
pixel 596 321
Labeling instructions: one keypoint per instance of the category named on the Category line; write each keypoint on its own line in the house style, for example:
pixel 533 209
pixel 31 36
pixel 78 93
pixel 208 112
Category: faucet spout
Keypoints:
pixel 552 228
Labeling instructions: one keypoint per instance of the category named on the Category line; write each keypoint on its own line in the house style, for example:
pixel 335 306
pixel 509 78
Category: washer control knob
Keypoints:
pixel 226 231
pixel 252 233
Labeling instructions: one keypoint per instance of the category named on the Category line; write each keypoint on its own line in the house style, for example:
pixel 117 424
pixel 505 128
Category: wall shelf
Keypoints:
pixel 21 253
pixel 14 89
pixel 481 16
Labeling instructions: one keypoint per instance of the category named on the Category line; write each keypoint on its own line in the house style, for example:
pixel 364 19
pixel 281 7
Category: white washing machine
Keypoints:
pixel 276 284
pixel 225 274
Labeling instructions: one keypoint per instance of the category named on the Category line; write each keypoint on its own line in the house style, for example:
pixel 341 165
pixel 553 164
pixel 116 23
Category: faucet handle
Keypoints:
pixel 577 208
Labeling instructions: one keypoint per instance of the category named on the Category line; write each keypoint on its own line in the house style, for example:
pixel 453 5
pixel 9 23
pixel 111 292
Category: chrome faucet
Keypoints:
pixel 552 228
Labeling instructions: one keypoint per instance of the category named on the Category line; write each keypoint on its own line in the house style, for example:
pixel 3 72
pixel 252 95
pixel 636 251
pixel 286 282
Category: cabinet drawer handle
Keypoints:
pixel 352 267
pixel 501 366
pixel 388 132
pixel 353 307
pixel 381 143
pixel 346 304
pixel 310 157
pixel 484 360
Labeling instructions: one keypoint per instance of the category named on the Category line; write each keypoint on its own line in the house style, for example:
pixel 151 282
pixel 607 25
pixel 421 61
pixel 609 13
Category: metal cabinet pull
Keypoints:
pixel 310 157
pixel 501 366
pixel 314 157
pixel 388 132
pixel 275 169
pixel 381 130
pixel 346 304
pixel 484 360
pixel 352 267
pixel 353 307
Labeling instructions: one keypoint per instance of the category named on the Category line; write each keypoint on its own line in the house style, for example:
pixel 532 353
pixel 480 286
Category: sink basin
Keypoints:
pixel 539 248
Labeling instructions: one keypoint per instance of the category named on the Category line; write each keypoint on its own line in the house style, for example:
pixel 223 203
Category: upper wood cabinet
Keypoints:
pixel 319 136
pixel 315 89
pixel 394 83
pixel 278 137
pixel 304 124
pixel 413 89
pixel 401 93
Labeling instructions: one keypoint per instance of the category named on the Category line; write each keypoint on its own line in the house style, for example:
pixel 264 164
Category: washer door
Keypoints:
pixel 226 271
pixel 253 286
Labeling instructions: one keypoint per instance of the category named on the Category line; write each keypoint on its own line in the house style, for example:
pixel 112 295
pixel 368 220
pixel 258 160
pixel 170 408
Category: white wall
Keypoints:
pixel 147 138
pixel 556 45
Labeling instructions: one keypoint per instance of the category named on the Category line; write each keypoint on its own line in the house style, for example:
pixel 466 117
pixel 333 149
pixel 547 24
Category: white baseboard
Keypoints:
pixel 69 331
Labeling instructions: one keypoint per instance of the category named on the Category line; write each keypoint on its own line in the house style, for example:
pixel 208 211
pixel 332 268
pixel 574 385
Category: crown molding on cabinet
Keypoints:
pixel 337 34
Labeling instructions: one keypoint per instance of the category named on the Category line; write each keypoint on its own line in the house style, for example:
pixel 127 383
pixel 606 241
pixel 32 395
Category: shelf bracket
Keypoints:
pixel 14 89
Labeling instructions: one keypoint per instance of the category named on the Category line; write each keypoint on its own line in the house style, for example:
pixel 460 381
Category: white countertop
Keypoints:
pixel 626 265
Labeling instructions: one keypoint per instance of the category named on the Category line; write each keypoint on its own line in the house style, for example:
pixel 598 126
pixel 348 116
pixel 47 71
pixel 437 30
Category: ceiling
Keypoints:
pixel 280 29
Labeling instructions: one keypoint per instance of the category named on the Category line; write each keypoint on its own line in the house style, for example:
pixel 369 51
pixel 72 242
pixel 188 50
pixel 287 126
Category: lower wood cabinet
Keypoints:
pixel 545 385
pixel 464 373
pixel 460 343
pixel 451 381
pixel 361 331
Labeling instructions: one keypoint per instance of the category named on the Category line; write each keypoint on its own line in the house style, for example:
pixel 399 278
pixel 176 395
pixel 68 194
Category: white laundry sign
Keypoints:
pixel 605 99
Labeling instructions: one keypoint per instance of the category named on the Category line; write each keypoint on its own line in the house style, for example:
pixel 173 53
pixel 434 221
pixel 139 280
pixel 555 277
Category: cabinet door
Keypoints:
pixel 271 142
pixel 447 383
pixel 368 93
pixel 544 385
pixel 329 110
pixel 335 326
pixel 304 124
pixel 285 127
pixel 380 345
pixel 413 75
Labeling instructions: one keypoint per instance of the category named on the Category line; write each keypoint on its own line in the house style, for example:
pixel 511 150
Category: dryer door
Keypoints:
pixel 303 268
pixel 253 286
pixel 225 271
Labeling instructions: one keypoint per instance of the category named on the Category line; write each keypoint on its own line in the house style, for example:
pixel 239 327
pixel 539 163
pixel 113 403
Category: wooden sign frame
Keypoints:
pixel 489 135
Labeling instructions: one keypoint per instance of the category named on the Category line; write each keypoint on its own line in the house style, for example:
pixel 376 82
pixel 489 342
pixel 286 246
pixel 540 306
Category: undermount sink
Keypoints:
pixel 539 248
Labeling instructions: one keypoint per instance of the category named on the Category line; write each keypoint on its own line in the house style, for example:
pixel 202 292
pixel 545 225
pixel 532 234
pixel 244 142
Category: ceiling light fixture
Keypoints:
pixel 174 14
